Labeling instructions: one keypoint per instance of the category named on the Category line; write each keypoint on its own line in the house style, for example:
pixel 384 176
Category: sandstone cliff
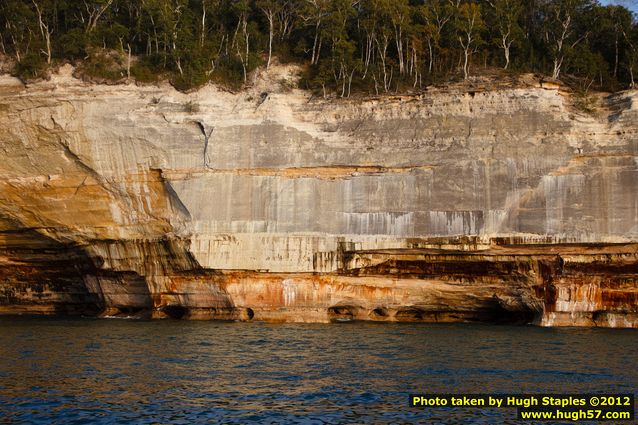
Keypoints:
pixel 460 204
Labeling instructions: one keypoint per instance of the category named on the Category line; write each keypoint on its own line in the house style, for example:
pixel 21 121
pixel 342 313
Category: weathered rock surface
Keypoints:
pixel 501 205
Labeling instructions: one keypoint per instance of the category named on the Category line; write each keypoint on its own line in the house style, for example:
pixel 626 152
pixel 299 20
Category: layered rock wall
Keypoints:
pixel 463 203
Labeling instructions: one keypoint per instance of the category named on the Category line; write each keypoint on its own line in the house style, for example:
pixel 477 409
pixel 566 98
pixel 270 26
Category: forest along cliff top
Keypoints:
pixel 344 46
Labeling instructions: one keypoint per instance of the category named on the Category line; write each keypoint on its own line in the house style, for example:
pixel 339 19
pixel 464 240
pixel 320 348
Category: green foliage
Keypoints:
pixel 373 46
pixel 585 101
pixel 143 72
pixel 188 80
pixel 229 74
pixel 72 45
pixel 109 37
pixel 32 66
pixel 104 65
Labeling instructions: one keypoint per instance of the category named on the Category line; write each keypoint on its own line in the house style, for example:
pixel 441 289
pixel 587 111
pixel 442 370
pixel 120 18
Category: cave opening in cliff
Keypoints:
pixel 175 311
pixel 130 311
pixel 499 312
pixel 342 313
pixel 250 313
pixel 410 314
pixel 379 313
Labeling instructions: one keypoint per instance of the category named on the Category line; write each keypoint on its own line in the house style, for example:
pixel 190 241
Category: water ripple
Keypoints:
pixel 65 371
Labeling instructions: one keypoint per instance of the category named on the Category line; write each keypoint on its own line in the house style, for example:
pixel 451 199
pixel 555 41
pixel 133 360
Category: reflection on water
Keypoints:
pixel 125 371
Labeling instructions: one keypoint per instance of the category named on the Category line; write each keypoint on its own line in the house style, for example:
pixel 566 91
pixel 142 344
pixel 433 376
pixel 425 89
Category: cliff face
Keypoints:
pixel 460 204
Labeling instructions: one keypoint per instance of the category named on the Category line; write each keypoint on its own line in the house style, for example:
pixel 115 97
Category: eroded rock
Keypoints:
pixel 504 205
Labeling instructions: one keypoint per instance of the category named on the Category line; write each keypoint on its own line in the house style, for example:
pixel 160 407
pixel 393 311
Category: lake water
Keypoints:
pixel 55 371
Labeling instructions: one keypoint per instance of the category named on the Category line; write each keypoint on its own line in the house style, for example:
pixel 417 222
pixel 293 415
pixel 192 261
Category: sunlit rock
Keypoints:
pixel 500 205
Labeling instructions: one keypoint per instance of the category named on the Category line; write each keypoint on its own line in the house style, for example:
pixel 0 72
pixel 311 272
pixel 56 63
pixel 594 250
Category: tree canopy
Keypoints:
pixel 373 46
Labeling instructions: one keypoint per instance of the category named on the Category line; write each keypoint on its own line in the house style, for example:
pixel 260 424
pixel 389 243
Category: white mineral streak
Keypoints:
pixel 579 298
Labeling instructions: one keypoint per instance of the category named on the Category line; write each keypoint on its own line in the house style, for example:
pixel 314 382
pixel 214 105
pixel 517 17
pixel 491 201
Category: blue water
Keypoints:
pixel 77 371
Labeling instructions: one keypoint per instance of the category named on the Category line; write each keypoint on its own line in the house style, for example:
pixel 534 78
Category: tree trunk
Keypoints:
pixel 466 53
pixel 315 55
pixel 16 48
pixel 270 36
pixel 557 64
pixel 431 56
pixel 128 63
pixel 399 43
pixel 247 49
pixel 44 31
pixel 48 37
pixel 201 40
pixel 616 59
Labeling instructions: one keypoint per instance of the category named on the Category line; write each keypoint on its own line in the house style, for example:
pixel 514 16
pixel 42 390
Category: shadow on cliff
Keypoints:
pixel 39 275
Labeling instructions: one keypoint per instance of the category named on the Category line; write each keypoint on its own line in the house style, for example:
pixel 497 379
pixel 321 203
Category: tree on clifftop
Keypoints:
pixel 559 31
pixel 505 15
pixel 469 26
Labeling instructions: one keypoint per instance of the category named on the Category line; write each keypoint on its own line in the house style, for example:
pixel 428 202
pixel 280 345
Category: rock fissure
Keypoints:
pixel 206 135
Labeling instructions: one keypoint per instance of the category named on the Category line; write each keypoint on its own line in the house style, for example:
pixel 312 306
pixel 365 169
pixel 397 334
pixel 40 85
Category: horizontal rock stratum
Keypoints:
pixel 497 204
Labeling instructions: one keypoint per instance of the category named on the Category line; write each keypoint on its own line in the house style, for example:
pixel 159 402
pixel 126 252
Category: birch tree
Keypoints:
pixel 559 29
pixel 207 6
pixel 94 11
pixel 314 12
pixel 17 32
pixel 469 26
pixel 271 10
pixel 437 15
pixel 241 37
pixel 506 14
pixel 45 12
